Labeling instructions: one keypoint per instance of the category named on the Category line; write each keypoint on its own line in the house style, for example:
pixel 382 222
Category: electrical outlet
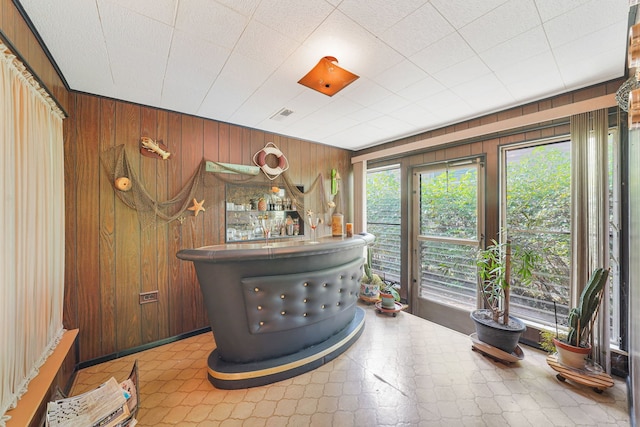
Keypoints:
pixel 146 297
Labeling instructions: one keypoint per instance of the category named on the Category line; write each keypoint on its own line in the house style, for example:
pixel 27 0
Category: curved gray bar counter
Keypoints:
pixel 281 310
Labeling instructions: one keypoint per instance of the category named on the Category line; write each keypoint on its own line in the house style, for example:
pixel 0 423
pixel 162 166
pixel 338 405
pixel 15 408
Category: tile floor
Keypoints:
pixel 403 371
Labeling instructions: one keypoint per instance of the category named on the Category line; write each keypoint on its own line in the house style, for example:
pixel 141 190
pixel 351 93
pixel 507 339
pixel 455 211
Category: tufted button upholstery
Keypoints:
pixel 282 302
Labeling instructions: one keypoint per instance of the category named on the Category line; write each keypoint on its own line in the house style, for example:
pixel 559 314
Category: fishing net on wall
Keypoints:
pixel 150 210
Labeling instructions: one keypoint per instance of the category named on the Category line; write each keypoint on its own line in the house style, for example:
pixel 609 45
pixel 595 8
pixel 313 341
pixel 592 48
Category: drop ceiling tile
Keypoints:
pixel 486 93
pixel 415 115
pixel 463 72
pixel 417 31
pixel 261 43
pixel 378 15
pixel 462 12
pixel 333 127
pixel 358 136
pixel 422 89
pixel 365 114
pixel 274 94
pixel 129 31
pixel 541 64
pixel 390 104
pixel 537 87
pixel 443 54
pixel 583 60
pixel 212 21
pixel 244 7
pixel 400 76
pixel 296 19
pixel 239 78
pixel 137 75
pixel 501 24
pixel 366 92
pixel 80 51
pixel 518 49
pixel 159 10
pixel 193 66
pixel 389 123
pixel 592 16
pixel 549 9
pixel 446 106
pixel 353 46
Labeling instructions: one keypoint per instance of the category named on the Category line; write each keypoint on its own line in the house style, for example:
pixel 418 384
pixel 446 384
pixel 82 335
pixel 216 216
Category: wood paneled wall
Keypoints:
pixel 111 259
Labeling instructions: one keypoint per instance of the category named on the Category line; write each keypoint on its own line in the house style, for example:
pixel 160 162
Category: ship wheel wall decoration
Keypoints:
pixel 260 160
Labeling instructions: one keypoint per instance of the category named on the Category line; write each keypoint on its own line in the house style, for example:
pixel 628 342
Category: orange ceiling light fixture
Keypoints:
pixel 326 77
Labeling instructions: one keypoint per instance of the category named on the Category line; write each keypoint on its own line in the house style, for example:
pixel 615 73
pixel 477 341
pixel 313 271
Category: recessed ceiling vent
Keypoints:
pixel 281 115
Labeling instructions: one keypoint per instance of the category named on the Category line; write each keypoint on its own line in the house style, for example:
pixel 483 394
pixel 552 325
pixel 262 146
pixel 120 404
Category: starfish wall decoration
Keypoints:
pixel 197 207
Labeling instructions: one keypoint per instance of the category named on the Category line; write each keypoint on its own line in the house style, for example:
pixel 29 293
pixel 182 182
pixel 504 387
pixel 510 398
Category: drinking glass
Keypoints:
pixel 313 223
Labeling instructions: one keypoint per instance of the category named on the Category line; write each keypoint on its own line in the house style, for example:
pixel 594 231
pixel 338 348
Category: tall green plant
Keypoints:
pixel 494 270
pixel 581 318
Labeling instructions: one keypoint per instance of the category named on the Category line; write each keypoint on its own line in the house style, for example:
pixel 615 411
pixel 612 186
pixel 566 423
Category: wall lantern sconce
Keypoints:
pixel 326 77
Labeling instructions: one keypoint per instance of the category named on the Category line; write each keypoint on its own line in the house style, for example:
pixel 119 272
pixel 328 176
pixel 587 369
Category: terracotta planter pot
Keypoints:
pixel 570 355
pixel 387 300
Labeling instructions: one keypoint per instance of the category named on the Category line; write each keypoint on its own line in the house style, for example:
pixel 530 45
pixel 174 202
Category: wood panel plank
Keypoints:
pixel 192 228
pixel 295 169
pixel 174 143
pixel 87 220
pixel 235 144
pixel 127 237
pixel 224 157
pixel 215 193
pixel 107 233
pixel 148 233
pixel 162 231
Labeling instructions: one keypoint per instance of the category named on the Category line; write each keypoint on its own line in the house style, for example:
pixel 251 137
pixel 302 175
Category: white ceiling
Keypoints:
pixel 422 64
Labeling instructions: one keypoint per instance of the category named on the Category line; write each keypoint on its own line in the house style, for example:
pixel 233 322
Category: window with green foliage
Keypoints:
pixel 448 230
pixel 537 194
pixel 383 220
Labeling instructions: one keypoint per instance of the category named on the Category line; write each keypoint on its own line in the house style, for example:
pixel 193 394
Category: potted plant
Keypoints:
pixel 573 350
pixel 370 283
pixel 494 325
pixel 388 294
pixel 373 288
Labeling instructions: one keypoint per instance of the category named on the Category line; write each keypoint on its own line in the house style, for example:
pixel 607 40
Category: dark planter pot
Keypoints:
pixel 504 337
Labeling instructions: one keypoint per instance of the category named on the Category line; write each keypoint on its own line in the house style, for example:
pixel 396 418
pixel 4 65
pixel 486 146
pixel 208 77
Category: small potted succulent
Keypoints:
pixel 374 288
pixel 389 295
pixel 371 283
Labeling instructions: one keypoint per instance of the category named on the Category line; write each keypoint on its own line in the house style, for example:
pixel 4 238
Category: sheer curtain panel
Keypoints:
pixel 32 224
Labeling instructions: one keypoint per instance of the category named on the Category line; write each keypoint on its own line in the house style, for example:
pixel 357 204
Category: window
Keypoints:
pixel 446 207
pixel 537 189
pixel 537 214
pixel 383 220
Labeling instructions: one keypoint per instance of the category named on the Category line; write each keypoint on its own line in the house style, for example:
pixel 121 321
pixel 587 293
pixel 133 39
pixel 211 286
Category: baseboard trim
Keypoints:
pixel 119 354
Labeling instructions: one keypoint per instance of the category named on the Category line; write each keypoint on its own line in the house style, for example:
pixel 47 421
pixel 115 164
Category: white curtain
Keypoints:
pixel 32 229
pixel 590 217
